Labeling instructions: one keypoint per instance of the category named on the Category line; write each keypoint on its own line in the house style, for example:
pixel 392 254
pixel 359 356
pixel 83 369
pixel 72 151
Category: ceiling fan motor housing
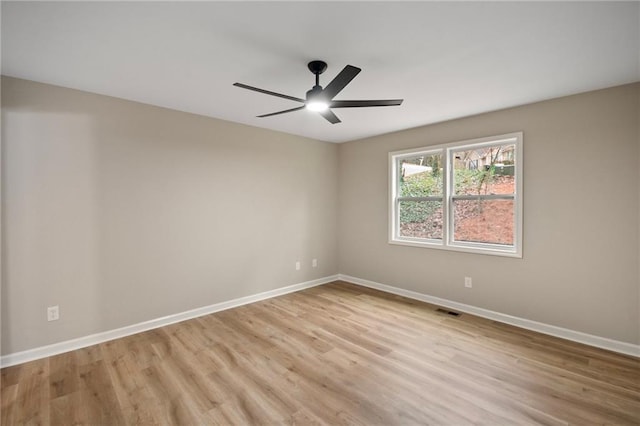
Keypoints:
pixel 315 94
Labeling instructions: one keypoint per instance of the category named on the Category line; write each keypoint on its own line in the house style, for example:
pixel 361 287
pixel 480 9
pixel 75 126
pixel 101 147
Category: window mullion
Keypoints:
pixel 446 198
pixel 484 197
pixel 419 199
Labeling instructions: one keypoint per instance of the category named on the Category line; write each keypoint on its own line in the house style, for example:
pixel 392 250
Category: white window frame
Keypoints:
pixel 448 242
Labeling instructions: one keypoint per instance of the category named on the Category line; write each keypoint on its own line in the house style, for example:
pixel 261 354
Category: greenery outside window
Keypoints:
pixel 464 196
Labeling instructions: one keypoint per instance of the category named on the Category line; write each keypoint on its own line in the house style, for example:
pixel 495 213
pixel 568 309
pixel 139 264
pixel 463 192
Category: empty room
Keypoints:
pixel 320 213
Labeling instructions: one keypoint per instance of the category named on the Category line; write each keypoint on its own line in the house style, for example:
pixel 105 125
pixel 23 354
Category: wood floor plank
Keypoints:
pixel 63 376
pixel 337 354
pixel 8 409
pixel 97 394
pixel 32 400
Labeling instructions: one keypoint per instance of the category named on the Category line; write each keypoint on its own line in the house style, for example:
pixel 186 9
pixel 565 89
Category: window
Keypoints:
pixel 464 196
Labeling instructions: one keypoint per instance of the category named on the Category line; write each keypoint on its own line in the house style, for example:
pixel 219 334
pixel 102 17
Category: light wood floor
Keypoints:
pixel 335 354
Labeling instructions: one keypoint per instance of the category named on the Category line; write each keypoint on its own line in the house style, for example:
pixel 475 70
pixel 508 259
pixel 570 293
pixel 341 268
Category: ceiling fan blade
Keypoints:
pixel 268 92
pixel 330 116
pixel 281 112
pixel 337 84
pixel 357 104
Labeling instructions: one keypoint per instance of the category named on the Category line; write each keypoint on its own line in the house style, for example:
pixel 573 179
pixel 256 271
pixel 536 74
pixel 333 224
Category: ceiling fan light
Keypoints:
pixel 318 106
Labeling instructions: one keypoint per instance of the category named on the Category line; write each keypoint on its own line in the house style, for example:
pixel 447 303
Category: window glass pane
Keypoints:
pixel 421 219
pixel 421 176
pixel 484 221
pixel 488 170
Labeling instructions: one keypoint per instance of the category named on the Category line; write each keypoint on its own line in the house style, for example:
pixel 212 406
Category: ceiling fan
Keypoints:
pixel 321 100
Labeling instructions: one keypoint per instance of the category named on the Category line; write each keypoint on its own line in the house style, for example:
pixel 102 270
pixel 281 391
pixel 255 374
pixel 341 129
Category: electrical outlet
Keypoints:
pixel 314 263
pixel 468 283
pixel 297 266
pixel 53 313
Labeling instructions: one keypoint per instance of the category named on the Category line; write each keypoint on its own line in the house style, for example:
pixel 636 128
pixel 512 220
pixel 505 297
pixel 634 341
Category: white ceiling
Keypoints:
pixel 447 60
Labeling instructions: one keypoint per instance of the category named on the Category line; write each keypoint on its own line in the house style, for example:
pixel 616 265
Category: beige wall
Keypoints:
pixel 581 216
pixel 120 212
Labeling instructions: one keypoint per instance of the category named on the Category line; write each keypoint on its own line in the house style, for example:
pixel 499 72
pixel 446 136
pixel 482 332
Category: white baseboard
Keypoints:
pixel 576 336
pixel 82 342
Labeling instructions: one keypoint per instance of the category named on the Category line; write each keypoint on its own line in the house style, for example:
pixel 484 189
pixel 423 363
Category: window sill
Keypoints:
pixel 486 249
